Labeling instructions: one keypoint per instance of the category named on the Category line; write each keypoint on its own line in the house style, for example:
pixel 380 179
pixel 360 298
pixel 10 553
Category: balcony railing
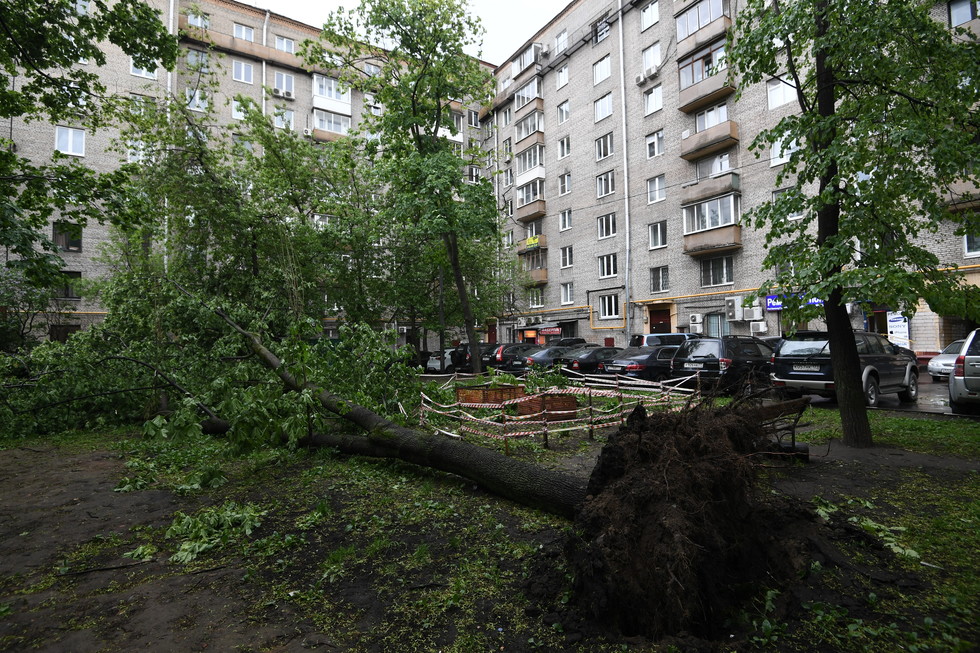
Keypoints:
pixel 702 189
pixel 713 139
pixel 532 243
pixel 713 241
pixel 539 276
pixel 531 211
pixel 709 90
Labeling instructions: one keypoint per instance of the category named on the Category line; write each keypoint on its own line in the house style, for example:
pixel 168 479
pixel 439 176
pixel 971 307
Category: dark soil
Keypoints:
pixel 64 585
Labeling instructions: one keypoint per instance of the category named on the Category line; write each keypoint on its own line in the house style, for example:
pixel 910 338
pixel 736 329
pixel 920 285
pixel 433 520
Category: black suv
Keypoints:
pixel 802 366
pixel 727 361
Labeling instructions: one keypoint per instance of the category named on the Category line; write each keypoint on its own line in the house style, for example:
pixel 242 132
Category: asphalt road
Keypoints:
pixel 933 398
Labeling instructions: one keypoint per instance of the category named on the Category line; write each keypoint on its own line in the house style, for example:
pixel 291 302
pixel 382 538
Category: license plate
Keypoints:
pixel 693 366
pixel 806 368
pixel 614 368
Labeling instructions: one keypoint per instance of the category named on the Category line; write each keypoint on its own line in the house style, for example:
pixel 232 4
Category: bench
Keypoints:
pixel 780 420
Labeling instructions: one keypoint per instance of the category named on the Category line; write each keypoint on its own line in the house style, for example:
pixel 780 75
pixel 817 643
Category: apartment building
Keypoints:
pixel 624 171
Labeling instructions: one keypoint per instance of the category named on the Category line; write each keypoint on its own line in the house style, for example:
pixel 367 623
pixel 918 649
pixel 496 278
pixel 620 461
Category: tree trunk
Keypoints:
pixel 843 351
pixel 452 247
pixel 515 480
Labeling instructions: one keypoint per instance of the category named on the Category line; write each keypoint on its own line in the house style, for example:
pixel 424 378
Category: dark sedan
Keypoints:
pixel 648 363
pixel 586 360
pixel 542 358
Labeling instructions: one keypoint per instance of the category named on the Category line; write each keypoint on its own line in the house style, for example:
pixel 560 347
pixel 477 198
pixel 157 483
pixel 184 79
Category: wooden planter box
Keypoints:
pixel 485 394
pixel 550 403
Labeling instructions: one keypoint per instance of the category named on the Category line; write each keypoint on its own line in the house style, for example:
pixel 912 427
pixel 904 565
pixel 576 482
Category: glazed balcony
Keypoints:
pixel 713 139
pixel 713 241
pixel 713 31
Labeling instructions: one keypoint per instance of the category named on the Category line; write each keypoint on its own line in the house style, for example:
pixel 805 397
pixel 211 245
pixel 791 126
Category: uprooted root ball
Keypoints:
pixel 671 536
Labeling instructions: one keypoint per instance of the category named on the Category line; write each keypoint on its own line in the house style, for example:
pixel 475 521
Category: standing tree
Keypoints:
pixel 887 131
pixel 409 56
pixel 42 44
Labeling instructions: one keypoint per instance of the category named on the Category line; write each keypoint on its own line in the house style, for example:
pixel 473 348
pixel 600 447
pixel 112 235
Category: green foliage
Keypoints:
pixel 212 528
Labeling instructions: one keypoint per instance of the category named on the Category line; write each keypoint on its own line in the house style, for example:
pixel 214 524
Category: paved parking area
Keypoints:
pixel 933 398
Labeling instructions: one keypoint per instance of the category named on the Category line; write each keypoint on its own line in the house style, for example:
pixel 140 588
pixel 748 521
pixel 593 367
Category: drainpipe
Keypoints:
pixel 265 42
pixel 628 279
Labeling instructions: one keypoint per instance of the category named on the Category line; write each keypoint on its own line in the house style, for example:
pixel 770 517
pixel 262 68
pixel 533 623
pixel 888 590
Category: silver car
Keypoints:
pixel 964 381
pixel 941 364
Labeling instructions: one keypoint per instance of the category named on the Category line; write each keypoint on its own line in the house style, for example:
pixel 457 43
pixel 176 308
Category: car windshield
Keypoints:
pixel 634 351
pixel 579 351
pixel 804 347
pixel 954 347
pixel 699 349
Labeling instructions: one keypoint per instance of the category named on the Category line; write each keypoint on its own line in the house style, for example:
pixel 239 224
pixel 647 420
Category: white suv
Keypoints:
pixel 964 381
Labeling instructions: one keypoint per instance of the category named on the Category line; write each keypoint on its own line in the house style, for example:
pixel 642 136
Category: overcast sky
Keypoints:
pixel 504 31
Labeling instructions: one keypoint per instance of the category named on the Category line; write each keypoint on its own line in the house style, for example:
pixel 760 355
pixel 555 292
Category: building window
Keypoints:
pixel 241 71
pixel 717 271
pixel 509 208
pixel 656 189
pixel 604 146
pixel 566 256
pixel 565 183
pixel 606 225
pixel 561 42
pixel 565 220
pixel 780 154
pixel 530 192
pixel 780 92
pixel 199 20
pixel 608 306
pixel 285 119
pixel 658 234
pixel 67 236
pixel 506 116
pixel 509 238
pixel 329 87
pixel 136 152
pixel 659 279
pixel 284 82
pixel 605 184
pixel 563 76
pixel 528 125
pixel 600 30
pixel 653 100
pixel 971 245
pixel 529 158
pixel 787 196
pixel 649 15
pixel 962 11
pixel 244 32
pixel 567 293
pixel 655 144
pixel 67 289
pixel 535 298
pixel 146 73
pixel 710 214
pixel 526 93
pixel 237 110
pixel 702 64
pixel 197 61
pixel 601 69
pixel 533 228
pixel 331 122
pixel 603 107
pixel 197 99
pixel 472 118
pixel 285 44
pixel 698 16
pixel 508 177
pixel 564 147
pixel 563 112
pixel 710 117
pixel 473 174
pixel 714 165
pixel 651 57
pixel 607 266
pixel 69 140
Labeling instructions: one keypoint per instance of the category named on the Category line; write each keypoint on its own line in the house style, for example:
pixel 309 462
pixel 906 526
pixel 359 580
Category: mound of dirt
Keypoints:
pixel 673 534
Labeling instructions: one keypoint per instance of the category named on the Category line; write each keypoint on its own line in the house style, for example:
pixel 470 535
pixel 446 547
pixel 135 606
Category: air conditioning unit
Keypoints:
pixel 403 330
pixel 758 327
pixel 545 52
pixel 651 73
pixel 733 309
pixel 685 134
pixel 307 132
pixel 697 328
pixel 752 313
pixel 641 80
pixel 507 158
pixel 277 92
pixel 288 95
pixel 697 318
pixel 522 321
pixel 535 320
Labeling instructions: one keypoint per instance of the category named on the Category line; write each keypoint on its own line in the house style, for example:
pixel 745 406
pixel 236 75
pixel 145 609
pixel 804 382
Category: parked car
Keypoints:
pixel 586 359
pixel 567 342
pixel 542 358
pixel 503 354
pixel 655 339
pixel 728 361
pixel 941 364
pixel 802 366
pixel 964 380
pixel 461 356
pixel 649 363
pixel 432 365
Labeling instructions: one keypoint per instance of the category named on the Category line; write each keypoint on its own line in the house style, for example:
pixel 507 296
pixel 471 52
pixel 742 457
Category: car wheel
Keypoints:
pixel 871 395
pixel 959 408
pixel 660 378
pixel 911 393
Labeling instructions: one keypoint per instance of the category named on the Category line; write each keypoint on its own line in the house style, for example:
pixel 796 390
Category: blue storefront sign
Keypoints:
pixel 775 302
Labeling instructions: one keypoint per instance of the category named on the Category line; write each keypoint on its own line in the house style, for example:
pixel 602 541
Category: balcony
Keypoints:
pixel 702 189
pixel 531 211
pixel 709 90
pixel 963 196
pixel 534 138
pixel 537 104
pixel 713 241
pixel 322 135
pixel 538 277
pixel 532 243
pixel 229 44
pixel 710 32
pixel 713 139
